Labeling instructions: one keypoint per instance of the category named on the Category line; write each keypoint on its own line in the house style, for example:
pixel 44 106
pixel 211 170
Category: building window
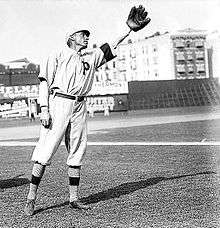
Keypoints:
pixel 147 62
pixel 188 43
pixel 189 55
pixel 122 66
pixel 180 68
pixel 199 43
pixel 200 68
pixel 125 78
pixel 132 53
pixel 107 77
pixel 179 44
pixel 146 50
pixel 156 74
pixel 122 54
pixel 155 60
pixel 154 46
pixel 199 55
pixel 190 69
pixel 133 65
pixel 180 56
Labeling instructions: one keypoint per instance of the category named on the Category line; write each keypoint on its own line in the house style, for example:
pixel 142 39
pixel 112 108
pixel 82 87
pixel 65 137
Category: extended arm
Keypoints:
pixel 137 20
pixel 120 39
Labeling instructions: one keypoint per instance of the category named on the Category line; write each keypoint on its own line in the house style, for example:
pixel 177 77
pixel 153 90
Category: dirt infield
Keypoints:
pixel 22 129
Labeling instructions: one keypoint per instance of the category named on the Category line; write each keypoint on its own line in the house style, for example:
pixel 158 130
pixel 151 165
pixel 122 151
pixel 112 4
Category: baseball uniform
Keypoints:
pixel 70 73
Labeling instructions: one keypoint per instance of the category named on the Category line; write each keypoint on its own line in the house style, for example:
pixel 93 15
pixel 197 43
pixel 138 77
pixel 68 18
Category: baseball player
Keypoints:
pixel 65 81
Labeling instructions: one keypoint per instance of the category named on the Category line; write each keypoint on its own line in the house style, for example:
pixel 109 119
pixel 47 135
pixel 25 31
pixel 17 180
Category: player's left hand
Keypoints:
pixel 137 18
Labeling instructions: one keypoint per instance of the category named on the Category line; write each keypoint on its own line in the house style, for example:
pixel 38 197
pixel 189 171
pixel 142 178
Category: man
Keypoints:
pixel 64 82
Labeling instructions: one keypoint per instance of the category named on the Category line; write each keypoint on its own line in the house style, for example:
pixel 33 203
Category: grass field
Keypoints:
pixel 127 186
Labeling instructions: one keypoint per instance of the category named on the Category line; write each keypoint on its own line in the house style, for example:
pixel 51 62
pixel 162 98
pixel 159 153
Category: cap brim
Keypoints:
pixel 87 32
pixel 73 31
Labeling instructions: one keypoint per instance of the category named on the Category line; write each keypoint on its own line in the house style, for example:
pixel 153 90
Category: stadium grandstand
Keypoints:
pixel 160 71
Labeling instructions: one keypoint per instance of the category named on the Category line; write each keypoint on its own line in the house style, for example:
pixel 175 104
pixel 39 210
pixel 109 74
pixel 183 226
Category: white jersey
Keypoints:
pixel 73 73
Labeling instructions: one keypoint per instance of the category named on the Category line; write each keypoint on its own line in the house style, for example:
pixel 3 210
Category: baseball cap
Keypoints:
pixel 75 30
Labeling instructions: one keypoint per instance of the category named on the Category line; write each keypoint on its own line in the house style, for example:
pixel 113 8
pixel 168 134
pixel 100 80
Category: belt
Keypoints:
pixel 77 98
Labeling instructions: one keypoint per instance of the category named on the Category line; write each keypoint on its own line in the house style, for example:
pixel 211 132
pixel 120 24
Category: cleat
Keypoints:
pixel 29 207
pixel 78 205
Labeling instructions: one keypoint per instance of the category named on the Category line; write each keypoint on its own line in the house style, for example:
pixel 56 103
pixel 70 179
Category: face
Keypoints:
pixel 81 39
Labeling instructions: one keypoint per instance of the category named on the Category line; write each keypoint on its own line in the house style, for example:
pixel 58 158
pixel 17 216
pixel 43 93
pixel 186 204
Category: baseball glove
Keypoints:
pixel 137 18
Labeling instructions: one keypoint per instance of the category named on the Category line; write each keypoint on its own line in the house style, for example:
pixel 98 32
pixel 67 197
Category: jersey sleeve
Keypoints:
pixel 48 69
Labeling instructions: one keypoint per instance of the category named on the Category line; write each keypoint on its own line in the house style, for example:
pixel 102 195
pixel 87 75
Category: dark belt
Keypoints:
pixel 78 98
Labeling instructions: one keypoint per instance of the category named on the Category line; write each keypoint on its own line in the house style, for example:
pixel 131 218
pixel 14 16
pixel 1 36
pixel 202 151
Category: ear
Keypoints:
pixel 73 37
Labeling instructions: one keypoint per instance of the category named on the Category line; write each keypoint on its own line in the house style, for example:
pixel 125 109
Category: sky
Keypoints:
pixel 34 28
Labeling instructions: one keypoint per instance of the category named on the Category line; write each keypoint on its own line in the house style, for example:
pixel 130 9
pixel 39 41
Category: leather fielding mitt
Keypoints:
pixel 137 18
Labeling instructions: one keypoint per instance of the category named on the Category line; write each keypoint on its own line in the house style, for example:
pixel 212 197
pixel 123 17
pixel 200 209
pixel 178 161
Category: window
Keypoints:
pixel 200 67
pixel 133 65
pixel 146 50
pixel 190 68
pixel 132 53
pixel 199 55
pixel 180 68
pixel 154 47
pixel 188 43
pixel 107 77
pixel 122 66
pixel 125 78
pixel 199 43
pixel 147 62
pixel 189 55
pixel 155 60
pixel 179 44
pixel 122 54
pixel 180 56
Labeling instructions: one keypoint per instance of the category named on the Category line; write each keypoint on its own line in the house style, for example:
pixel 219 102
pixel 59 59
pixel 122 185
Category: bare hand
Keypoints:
pixel 45 117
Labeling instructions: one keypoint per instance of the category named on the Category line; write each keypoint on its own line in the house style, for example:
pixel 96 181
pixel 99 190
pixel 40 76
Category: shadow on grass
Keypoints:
pixel 123 189
pixel 13 182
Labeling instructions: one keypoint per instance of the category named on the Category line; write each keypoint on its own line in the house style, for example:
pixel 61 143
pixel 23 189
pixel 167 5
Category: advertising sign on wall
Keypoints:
pixel 19 91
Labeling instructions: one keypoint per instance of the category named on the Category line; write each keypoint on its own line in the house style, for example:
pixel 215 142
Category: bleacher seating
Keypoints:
pixel 173 93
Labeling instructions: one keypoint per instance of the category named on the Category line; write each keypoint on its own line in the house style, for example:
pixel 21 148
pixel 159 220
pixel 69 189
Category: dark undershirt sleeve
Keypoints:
pixel 107 52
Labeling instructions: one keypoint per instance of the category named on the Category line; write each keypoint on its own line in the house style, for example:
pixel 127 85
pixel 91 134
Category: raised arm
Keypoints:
pixel 120 39
pixel 137 20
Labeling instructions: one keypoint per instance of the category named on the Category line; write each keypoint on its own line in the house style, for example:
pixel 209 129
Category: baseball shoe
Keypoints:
pixel 29 207
pixel 78 205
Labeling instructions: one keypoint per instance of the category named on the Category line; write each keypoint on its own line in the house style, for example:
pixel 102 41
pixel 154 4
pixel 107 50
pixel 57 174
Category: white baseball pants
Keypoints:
pixel 69 119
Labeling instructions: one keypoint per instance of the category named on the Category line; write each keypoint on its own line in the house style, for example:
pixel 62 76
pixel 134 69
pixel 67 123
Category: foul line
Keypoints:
pixel 202 143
